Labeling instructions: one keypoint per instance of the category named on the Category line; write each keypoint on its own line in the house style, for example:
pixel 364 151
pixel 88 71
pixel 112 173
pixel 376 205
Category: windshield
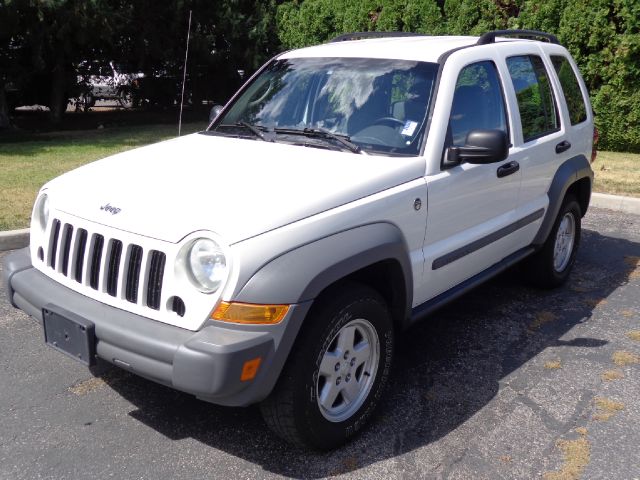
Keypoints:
pixel 379 105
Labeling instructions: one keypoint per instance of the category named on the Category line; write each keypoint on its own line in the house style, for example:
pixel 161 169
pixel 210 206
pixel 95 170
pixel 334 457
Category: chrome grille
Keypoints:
pixel 107 265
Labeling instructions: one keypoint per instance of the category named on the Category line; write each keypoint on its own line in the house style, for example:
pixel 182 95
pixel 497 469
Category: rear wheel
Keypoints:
pixel 125 98
pixel 550 267
pixel 336 373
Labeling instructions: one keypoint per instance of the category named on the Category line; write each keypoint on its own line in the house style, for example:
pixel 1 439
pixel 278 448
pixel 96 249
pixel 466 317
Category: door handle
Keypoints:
pixel 563 146
pixel 508 168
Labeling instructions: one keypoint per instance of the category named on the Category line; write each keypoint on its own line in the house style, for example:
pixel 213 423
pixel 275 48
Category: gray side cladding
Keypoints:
pixel 568 173
pixel 301 274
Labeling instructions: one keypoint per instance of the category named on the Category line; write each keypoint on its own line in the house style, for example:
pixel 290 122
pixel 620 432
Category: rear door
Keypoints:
pixel 573 95
pixel 542 134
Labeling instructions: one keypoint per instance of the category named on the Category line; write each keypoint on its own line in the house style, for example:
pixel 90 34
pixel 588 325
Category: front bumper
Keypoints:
pixel 207 363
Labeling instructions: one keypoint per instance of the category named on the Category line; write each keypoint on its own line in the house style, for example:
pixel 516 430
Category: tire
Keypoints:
pixel 86 102
pixel 125 97
pixel 551 265
pixel 344 319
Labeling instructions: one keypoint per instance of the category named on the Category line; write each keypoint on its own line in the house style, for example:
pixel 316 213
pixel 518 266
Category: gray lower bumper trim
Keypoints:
pixel 207 363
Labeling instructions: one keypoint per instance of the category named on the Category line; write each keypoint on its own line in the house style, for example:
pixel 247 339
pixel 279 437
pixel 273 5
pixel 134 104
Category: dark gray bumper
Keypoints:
pixel 207 363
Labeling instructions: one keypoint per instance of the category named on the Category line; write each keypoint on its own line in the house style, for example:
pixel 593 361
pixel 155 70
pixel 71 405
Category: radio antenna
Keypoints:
pixel 184 75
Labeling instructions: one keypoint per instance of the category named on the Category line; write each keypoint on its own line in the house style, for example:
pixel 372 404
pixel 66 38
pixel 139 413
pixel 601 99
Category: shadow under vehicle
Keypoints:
pixel 447 370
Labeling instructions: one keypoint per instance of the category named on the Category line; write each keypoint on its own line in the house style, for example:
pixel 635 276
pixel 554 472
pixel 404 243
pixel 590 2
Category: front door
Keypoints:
pixel 471 207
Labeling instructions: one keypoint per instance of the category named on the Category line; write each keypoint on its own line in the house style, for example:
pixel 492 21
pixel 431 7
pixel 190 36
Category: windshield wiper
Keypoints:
pixel 252 128
pixel 255 130
pixel 320 132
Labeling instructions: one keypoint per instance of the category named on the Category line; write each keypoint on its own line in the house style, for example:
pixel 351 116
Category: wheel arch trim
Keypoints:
pixel 302 274
pixel 568 173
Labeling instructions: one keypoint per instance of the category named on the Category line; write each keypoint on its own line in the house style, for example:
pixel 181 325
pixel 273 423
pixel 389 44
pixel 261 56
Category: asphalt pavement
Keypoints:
pixel 508 382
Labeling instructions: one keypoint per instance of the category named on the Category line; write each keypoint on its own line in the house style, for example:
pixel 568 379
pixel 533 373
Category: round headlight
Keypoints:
pixel 42 211
pixel 207 264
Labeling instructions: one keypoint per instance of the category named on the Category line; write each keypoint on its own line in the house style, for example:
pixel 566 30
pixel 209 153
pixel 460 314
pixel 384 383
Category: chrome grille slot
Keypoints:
pixel 156 273
pixel 81 245
pixel 133 273
pixel 53 248
pixel 94 272
pixel 67 233
pixel 113 267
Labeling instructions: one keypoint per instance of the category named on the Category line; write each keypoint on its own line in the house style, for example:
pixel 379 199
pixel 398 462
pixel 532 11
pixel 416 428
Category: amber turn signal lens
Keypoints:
pixel 249 313
pixel 250 369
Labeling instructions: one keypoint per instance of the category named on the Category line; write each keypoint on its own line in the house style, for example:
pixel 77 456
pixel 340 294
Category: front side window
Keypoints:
pixel 571 89
pixel 380 105
pixel 537 106
pixel 478 103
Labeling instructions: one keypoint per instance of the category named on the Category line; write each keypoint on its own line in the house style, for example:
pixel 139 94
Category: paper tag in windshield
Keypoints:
pixel 409 128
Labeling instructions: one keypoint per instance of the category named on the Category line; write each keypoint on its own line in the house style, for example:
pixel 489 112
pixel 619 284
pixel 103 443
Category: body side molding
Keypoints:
pixel 468 249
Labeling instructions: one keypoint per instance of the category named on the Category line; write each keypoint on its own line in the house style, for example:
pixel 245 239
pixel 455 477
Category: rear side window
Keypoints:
pixel 477 103
pixel 571 89
pixel 538 111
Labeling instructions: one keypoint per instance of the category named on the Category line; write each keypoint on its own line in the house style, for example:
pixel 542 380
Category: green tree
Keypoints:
pixel 316 21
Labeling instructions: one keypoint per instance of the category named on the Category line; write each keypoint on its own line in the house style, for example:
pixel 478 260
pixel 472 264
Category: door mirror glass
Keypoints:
pixel 481 146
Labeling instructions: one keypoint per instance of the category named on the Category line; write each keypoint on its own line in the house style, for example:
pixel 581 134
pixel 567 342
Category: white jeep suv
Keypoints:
pixel 346 191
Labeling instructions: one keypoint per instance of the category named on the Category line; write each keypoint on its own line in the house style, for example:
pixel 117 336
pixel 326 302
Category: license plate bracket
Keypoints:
pixel 70 334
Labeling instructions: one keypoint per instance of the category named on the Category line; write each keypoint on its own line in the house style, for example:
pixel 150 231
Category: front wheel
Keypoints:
pixel 337 371
pixel 550 267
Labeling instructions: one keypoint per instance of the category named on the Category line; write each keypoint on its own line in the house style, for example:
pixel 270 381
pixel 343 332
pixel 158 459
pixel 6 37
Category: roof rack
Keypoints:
pixel 490 37
pixel 362 35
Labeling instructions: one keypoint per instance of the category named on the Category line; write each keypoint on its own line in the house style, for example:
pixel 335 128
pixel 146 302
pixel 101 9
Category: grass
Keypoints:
pixel 617 173
pixel 606 408
pixel 27 163
pixel 576 456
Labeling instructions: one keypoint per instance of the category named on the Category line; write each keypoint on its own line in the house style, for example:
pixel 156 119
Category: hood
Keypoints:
pixel 237 188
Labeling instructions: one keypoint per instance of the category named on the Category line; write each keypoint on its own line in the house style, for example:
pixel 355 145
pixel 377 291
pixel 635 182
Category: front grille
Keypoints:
pixel 107 265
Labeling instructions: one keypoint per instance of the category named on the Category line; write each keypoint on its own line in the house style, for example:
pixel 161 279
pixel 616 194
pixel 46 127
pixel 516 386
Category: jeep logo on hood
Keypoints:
pixel 109 208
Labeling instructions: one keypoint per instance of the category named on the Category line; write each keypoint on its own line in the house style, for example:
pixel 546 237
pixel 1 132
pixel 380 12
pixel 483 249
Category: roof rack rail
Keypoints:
pixel 362 35
pixel 490 37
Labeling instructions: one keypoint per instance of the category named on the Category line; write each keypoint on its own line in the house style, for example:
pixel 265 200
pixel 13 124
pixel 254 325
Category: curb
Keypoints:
pixel 13 239
pixel 616 202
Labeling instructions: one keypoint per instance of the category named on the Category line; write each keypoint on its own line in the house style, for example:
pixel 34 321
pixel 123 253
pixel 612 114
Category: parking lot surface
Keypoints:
pixel 507 382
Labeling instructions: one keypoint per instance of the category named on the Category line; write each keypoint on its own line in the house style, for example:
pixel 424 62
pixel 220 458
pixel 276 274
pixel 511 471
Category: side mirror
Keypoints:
pixel 481 146
pixel 215 111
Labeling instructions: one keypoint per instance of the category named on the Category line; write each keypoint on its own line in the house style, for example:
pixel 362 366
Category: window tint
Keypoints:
pixel 538 111
pixel 477 102
pixel 571 89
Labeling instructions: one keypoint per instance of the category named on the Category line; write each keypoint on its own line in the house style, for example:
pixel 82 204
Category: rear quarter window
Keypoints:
pixel 571 89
